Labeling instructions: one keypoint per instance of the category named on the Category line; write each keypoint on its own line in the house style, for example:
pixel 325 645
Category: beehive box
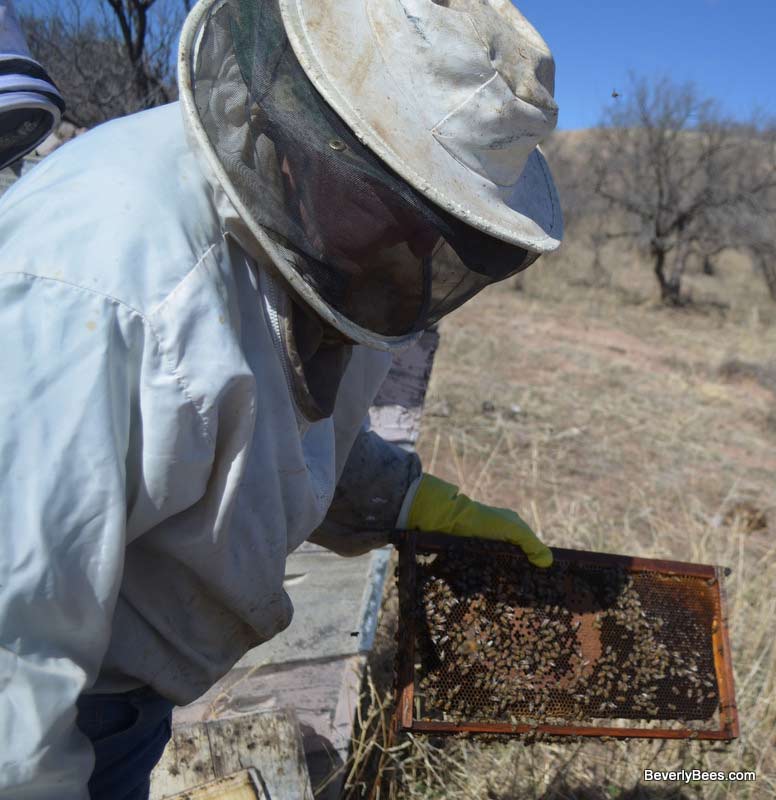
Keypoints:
pixel 596 645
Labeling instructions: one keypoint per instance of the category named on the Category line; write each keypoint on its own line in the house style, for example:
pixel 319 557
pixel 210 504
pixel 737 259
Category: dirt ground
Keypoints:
pixel 631 413
pixel 611 423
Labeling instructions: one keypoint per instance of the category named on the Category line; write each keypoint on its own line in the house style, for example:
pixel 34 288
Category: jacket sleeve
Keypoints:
pixel 73 366
pixel 368 497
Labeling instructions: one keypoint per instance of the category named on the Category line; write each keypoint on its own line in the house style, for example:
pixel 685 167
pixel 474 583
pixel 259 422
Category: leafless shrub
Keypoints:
pixel 759 238
pixel 735 369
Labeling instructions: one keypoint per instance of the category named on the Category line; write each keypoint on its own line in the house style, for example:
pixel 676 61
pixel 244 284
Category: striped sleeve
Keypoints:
pixel 30 103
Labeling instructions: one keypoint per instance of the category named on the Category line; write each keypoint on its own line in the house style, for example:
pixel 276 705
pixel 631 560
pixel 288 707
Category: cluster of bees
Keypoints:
pixel 500 641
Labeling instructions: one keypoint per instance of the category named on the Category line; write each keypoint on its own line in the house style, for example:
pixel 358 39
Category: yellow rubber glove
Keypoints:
pixel 437 506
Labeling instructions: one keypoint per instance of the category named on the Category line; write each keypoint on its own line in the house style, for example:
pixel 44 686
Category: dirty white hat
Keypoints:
pixel 453 95
pixel 385 200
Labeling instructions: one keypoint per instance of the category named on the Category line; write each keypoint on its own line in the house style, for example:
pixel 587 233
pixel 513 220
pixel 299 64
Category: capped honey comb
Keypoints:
pixel 595 645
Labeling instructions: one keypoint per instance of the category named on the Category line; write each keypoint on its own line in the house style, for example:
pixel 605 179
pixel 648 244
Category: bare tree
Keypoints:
pixel 758 237
pixel 682 180
pixel 108 60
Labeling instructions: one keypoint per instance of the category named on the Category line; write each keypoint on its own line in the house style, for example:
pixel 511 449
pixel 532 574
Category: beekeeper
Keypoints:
pixel 198 304
pixel 30 103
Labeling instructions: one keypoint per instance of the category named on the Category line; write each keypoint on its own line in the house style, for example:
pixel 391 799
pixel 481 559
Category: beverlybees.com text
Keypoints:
pixel 698 775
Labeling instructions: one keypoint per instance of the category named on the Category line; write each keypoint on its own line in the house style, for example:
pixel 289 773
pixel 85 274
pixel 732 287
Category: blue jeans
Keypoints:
pixel 129 732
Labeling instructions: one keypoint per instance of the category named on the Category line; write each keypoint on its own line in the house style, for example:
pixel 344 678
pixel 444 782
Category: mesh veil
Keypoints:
pixel 369 245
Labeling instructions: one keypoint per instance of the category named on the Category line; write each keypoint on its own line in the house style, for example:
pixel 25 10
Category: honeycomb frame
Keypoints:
pixel 692 596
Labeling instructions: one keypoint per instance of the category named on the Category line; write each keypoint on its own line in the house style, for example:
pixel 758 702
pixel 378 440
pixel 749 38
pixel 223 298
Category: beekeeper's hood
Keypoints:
pixel 383 152
pixel 30 103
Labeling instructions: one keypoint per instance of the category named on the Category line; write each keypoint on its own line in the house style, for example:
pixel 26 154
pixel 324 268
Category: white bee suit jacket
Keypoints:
pixel 154 470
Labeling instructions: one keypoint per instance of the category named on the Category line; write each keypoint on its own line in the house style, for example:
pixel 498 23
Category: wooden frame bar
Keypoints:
pixel 723 665
pixel 405 696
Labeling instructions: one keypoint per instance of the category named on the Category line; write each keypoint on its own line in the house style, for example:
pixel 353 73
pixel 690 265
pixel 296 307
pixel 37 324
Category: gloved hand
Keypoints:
pixel 438 506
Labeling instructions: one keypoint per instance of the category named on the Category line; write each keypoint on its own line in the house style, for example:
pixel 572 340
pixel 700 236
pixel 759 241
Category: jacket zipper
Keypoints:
pixel 273 297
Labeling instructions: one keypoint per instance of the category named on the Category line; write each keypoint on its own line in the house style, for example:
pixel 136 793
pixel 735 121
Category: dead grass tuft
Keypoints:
pixel 734 369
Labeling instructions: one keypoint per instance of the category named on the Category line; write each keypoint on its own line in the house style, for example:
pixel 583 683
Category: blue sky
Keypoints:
pixel 726 48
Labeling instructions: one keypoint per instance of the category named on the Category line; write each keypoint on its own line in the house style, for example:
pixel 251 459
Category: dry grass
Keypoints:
pixel 611 424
